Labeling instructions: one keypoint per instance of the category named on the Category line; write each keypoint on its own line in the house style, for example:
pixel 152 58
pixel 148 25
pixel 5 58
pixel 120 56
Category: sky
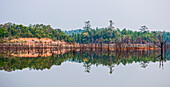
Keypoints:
pixel 71 14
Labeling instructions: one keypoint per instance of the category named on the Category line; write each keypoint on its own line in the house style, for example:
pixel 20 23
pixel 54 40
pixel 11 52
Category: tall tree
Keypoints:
pixel 143 28
pixel 87 25
pixel 111 25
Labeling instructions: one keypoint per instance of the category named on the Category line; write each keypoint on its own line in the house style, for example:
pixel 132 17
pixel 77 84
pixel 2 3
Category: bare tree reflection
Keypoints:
pixel 162 56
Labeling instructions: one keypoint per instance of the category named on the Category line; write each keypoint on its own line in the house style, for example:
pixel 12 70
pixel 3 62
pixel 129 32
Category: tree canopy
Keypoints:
pixel 88 35
pixel 38 30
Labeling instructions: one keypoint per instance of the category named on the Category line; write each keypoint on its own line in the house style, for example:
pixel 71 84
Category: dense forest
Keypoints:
pixel 77 31
pixel 110 34
pixel 85 35
pixel 10 31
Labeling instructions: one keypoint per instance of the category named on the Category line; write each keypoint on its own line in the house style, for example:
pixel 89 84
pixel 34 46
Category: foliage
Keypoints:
pixel 88 35
pixel 116 35
pixel 77 31
pixel 37 30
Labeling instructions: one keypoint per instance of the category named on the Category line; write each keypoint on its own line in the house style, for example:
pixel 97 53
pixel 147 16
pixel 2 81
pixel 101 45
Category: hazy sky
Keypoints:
pixel 71 14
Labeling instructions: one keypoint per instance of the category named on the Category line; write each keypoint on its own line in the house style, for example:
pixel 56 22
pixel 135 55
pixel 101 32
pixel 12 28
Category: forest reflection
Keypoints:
pixel 40 59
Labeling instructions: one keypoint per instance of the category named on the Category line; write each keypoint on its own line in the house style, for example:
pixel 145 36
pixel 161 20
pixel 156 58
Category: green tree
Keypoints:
pixel 2 32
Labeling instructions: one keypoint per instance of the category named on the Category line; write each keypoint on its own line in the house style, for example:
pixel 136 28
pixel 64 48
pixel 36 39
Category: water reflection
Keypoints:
pixel 40 59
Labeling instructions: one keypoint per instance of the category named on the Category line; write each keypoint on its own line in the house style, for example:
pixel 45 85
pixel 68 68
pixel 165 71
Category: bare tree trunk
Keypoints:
pixel 101 45
pixel 108 46
pixel 95 45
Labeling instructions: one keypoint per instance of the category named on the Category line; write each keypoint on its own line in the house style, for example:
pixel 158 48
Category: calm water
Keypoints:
pixel 35 68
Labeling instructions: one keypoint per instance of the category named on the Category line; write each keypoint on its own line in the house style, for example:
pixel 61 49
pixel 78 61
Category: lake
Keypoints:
pixel 84 68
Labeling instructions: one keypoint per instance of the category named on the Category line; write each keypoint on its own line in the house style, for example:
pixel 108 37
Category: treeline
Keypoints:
pixel 111 34
pixel 87 35
pixel 106 35
pixel 10 31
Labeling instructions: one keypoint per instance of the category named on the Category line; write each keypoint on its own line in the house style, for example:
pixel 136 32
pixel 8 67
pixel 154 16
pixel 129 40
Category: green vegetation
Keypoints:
pixel 110 35
pixel 77 31
pixel 116 35
pixel 39 30
pixel 88 35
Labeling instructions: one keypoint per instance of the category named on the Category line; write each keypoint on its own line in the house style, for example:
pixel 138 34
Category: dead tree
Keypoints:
pixel 162 45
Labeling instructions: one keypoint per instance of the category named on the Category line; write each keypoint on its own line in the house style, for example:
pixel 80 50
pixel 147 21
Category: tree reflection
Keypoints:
pixel 39 59
pixel 87 67
pixel 144 64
